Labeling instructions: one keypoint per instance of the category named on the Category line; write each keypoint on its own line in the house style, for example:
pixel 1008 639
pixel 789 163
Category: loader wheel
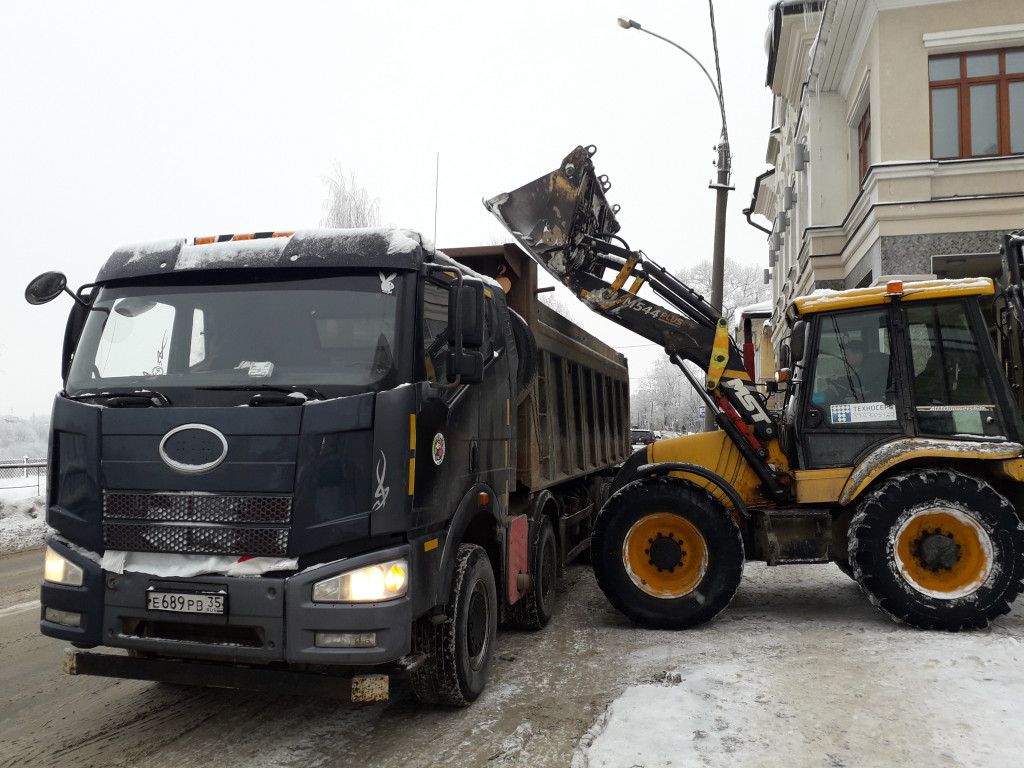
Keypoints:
pixel 459 650
pixel 938 549
pixel 534 609
pixel 666 553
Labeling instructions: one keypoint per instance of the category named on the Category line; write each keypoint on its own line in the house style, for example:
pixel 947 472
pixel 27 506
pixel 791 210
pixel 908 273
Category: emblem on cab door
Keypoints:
pixel 193 448
pixel 381 494
pixel 437 449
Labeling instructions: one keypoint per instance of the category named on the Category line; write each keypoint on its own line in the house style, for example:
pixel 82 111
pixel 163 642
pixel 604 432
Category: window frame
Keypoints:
pixel 962 85
pixel 864 145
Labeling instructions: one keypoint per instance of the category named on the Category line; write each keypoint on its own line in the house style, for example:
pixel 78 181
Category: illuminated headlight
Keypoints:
pixel 60 570
pixel 372 584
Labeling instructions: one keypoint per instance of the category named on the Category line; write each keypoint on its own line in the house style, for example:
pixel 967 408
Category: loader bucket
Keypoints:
pixel 552 216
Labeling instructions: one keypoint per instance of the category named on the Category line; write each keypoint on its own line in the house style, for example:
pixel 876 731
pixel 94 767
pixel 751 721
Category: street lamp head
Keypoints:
pixel 628 23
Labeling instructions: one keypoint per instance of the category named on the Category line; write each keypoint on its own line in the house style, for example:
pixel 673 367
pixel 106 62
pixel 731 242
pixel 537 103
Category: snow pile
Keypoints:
pixel 22 518
pixel 761 683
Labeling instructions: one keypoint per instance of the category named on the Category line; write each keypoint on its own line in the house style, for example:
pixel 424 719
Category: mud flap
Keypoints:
pixel 518 556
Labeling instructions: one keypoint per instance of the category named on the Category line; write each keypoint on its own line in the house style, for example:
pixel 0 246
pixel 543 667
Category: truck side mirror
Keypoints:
pixel 465 360
pixel 466 314
pixel 45 288
pixel 467 364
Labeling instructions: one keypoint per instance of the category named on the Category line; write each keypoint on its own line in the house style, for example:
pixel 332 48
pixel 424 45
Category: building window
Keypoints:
pixel 977 103
pixel 864 145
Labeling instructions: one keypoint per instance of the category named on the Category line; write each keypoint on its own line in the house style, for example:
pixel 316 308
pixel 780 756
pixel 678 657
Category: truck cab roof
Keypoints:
pixel 381 247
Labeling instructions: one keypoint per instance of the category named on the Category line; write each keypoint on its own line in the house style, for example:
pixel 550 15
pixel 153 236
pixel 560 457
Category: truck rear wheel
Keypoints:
pixel 534 609
pixel 938 549
pixel 666 553
pixel 459 650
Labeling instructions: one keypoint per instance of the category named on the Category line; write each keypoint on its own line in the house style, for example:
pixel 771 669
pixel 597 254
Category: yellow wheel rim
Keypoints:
pixel 665 555
pixel 943 553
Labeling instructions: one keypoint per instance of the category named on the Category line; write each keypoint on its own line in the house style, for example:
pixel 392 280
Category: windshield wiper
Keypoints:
pixel 271 395
pixel 133 398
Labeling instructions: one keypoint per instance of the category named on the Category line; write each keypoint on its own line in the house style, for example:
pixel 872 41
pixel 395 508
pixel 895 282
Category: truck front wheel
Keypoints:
pixel 666 553
pixel 938 549
pixel 459 650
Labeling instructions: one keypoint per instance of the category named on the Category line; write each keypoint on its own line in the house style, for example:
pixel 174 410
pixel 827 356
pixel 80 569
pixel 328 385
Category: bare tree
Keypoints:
pixel 743 284
pixel 348 205
pixel 663 399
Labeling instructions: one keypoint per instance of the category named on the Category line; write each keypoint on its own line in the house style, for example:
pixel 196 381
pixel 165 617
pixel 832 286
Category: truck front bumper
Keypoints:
pixel 266 619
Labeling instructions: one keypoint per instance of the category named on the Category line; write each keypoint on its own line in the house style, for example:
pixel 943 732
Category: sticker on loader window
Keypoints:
pixel 859 413
pixel 437 449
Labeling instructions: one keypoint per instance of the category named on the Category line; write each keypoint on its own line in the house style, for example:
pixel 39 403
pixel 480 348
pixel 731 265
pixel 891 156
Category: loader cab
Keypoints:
pixel 878 366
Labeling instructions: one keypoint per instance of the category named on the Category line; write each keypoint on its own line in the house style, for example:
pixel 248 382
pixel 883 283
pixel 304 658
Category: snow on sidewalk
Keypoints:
pixel 22 515
pixel 757 689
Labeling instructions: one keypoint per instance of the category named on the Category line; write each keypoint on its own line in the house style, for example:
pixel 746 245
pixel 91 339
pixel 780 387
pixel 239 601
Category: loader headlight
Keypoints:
pixel 372 584
pixel 57 569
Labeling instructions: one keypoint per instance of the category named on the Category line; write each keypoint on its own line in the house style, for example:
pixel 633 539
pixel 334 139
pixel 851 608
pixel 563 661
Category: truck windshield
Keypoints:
pixel 332 335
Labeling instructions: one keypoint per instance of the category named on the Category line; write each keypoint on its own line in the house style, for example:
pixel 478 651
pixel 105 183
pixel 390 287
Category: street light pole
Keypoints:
pixel 723 162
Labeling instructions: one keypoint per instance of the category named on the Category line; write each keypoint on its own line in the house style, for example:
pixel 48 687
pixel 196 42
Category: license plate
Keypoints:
pixel 185 602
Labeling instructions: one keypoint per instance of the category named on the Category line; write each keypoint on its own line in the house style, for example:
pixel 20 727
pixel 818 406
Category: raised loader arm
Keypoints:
pixel 565 223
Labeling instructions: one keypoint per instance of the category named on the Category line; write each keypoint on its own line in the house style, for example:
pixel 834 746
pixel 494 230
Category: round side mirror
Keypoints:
pixel 47 287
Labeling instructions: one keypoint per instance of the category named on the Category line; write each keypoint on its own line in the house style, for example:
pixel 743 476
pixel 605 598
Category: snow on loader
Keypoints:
pixel 898 454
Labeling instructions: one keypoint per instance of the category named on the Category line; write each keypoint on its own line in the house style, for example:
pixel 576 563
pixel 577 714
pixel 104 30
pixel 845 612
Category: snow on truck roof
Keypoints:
pixel 879 294
pixel 381 247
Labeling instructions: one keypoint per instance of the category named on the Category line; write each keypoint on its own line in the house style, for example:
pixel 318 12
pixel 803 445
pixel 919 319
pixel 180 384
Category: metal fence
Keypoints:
pixel 32 472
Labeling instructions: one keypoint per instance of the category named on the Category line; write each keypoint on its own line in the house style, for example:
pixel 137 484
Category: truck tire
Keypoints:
pixel 938 549
pixel 526 351
pixel 459 650
pixel 534 609
pixel 666 553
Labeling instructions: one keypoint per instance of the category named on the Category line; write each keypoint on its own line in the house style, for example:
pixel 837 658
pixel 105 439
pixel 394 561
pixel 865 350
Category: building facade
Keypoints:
pixel 897 145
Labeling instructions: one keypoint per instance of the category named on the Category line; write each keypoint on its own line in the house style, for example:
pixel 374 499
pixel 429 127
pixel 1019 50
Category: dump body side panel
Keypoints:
pixel 573 419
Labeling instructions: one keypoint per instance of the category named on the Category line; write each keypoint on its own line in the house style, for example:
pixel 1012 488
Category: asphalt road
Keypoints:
pixel 799 671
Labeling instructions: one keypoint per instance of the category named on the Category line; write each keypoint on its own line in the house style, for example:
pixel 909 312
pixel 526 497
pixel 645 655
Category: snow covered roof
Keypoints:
pixel 379 247
pixel 862 297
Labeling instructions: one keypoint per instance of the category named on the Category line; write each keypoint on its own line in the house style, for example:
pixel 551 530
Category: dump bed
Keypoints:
pixel 573 420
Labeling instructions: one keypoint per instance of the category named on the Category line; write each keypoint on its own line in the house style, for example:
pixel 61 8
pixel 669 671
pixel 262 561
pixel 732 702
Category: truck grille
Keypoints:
pixel 197 523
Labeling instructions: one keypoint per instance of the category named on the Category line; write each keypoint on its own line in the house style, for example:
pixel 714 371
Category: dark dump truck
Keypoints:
pixel 305 462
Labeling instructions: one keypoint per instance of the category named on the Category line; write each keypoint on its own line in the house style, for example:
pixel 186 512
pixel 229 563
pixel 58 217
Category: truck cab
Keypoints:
pixel 272 449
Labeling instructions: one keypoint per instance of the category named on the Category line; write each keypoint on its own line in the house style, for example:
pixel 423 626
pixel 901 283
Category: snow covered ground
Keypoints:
pixel 22 514
pixel 799 671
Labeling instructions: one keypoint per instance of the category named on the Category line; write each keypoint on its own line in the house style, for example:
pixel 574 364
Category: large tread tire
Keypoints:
pixel 667 554
pixel 534 609
pixel 526 350
pixel 459 650
pixel 938 549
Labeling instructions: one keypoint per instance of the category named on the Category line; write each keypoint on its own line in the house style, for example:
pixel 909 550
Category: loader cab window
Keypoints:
pixel 851 403
pixel 952 392
pixel 853 367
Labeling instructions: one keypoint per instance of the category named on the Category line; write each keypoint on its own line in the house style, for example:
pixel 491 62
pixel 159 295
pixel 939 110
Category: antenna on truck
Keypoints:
pixel 437 176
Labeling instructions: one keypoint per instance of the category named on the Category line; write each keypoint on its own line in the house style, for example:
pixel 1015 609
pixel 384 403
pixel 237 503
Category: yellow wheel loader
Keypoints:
pixel 898 454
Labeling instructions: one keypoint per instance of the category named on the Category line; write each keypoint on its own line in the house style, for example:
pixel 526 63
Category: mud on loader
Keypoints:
pixel 897 455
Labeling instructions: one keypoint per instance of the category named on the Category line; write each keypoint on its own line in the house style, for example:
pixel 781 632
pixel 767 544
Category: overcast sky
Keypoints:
pixel 125 122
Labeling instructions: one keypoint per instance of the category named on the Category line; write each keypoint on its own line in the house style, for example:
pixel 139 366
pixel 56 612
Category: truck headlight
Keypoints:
pixel 57 569
pixel 372 584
